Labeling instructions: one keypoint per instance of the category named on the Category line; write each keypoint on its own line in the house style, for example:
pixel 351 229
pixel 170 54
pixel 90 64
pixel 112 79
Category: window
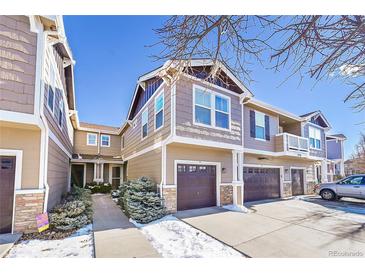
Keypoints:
pixel 260 125
pixel 91 139
pixel 51 90
pixel 211 109
pixel 105 140
pixel 159 104
pixel 314 138
pixel 355 180
pixel 145 123
pixel 61 113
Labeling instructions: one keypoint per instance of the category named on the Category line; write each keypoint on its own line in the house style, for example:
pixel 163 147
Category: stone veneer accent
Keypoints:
pixel 169 194
pixel 287 191
pixel 27 206
pixel 309 189
pixel 226 194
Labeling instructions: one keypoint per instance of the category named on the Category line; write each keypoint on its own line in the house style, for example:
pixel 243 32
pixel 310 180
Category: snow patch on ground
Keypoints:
pixel 237 208
pixel 78 245
pixel 173 238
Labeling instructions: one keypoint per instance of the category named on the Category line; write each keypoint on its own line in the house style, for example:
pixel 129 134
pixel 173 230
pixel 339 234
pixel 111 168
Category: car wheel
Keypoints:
pixel 327 194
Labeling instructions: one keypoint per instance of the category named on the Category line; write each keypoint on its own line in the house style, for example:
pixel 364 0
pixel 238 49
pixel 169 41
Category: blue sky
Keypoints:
pixel 112 51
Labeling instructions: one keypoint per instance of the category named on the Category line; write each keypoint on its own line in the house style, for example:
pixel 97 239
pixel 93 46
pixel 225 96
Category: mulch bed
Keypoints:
pixel 47 235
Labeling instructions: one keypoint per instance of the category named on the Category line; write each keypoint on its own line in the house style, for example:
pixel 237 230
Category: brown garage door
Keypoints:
pixel 297 180
pixel 261 183
pixel 7 176
pixel 196 186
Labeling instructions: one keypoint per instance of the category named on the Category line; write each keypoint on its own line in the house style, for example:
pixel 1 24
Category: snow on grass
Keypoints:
pixel 78 245
pixel 237 208
pixel 173 238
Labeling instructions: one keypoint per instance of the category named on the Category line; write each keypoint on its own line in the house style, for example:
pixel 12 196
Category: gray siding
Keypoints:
pixel 252 143
pixel 334 150
pixel 184 116
pixel 316 152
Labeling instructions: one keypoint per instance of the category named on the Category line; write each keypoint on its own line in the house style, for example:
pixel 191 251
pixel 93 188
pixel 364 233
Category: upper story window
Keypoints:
pixel 145 123
pixel 51 90
pixel 211 109
pixel 259 125
pixel 315 137
pixel 105 140
pixel 92 139
pixel 159 109
pixel 61 113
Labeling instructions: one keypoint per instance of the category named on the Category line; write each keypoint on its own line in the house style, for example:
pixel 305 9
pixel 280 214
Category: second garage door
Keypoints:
pixel 196 186
pixel 261 183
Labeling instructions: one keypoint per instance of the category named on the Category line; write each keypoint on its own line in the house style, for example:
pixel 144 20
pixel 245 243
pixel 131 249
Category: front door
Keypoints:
pixel 7 177
pixel 297 179
pixel 116 172
pixel 351 186
pixel 77 175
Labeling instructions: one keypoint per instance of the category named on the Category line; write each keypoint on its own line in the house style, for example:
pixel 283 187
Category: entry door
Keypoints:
pixel 196 186
pixel 297 179
pixel 77 175
pixel 7 177
pixel 116 172
pixel 351 186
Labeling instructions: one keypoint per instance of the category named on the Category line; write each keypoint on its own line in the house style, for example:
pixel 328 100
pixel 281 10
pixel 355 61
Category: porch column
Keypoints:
pixel 234 166
pixel 324 178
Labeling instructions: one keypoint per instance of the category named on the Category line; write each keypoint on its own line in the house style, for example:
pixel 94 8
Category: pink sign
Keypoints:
pixel 42 222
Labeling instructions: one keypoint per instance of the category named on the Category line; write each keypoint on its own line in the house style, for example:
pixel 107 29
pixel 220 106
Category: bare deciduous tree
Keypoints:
pixel 359 151
pixel 319 46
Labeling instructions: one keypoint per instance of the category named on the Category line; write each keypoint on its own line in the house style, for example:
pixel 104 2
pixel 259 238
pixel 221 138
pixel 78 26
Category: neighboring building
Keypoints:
pixel 204 142
pixel 37 108
pixel 335 156
pixel 355 166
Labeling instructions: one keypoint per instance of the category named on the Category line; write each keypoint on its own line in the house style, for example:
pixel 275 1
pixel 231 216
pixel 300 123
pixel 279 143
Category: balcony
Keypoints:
pixel 292 144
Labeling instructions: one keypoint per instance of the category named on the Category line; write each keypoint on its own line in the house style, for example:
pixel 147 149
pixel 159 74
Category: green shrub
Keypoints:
pixel 141 202
pixel 74 212
pixel 99 188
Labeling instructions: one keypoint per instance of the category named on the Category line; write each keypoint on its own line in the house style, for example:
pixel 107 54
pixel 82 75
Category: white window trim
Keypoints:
pixel 144 111
pixel 101 139
pixel 162 93
pixel 320 139
pixel 212 108
pixel 96 139
pixel 260 139
pixel 63 113
pixel 54 99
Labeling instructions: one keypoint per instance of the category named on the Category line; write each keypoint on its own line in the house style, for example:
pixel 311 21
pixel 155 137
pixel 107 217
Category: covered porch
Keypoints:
pixel 97 170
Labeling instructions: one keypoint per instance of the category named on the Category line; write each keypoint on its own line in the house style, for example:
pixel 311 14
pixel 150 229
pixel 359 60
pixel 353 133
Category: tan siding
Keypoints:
pixel 279 143
pixel 133 136
pixel 18 47
pixel 148 164
pixel 294 128
pixel 28 140
pixel 252 143
pixel 195 153
pixel 184 116
pixel 57 173
pixel 81 147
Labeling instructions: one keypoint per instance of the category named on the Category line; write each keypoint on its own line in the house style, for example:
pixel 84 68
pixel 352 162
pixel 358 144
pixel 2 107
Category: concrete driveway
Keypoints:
pixel 286 228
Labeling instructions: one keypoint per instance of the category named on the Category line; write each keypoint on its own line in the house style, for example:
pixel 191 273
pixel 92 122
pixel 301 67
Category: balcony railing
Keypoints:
pixel 291 142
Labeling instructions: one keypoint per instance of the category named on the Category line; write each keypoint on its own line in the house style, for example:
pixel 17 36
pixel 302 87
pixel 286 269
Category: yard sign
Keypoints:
pixel 42 222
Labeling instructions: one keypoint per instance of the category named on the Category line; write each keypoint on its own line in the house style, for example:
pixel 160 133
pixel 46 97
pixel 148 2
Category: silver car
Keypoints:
pixel 352 186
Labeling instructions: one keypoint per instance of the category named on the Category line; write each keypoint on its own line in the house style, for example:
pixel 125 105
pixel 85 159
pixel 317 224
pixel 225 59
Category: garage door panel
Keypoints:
pixel 196 186
pixel 261 183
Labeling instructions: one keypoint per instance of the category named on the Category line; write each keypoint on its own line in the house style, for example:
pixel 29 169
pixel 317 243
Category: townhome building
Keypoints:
pixel 203 141
pixel 37 112
pixel 335 156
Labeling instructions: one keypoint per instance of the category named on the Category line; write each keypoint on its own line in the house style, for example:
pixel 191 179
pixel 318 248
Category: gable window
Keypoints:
pixel 145 123
pixel 211 109
pixel 61 113
pixel 105 140
pixel 315 138
pixel 92 139
pixel 159 105
pixel 259 125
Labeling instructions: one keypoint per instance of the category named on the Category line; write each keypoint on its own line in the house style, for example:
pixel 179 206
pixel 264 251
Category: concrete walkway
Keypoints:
pixel 114 235
pixel 291 228
pixel 7 241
